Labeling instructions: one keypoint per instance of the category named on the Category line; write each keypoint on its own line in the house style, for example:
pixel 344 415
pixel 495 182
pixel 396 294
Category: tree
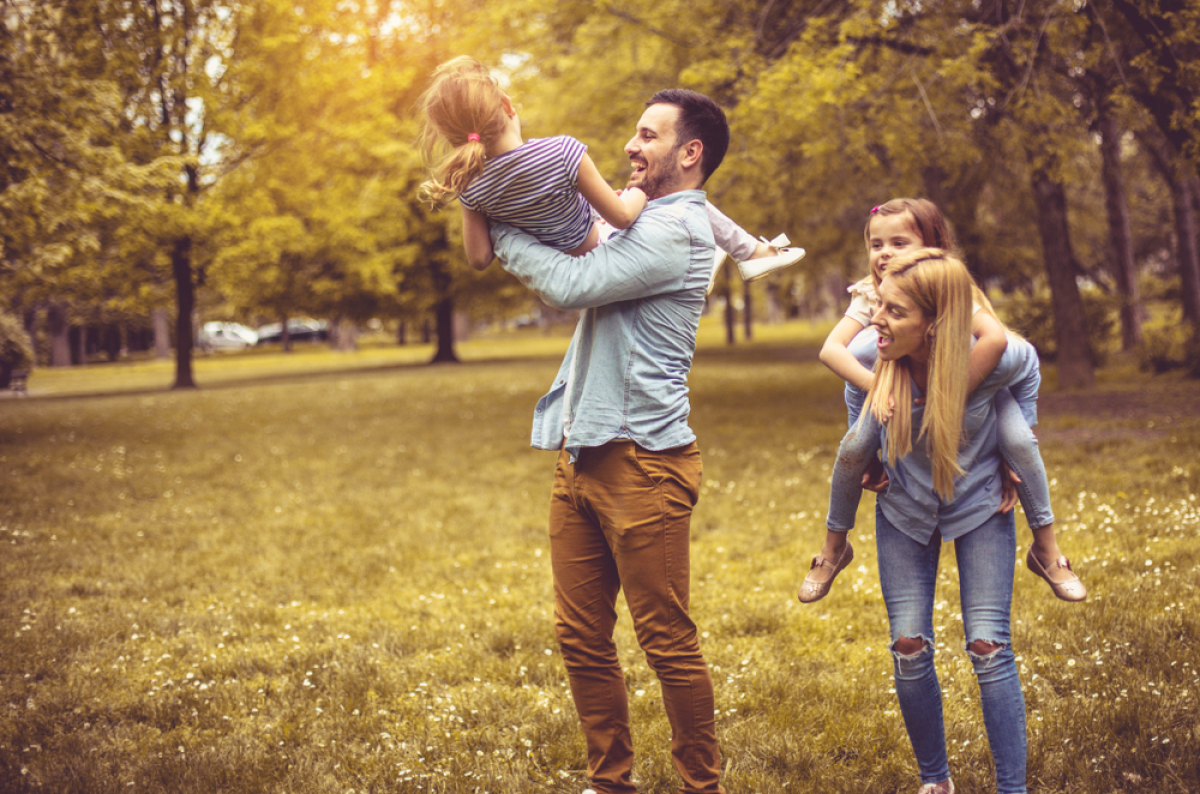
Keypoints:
pixel 1160 40
pixel 68 191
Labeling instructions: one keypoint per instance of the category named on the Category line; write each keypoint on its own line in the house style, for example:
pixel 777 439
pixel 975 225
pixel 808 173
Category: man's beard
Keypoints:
pixel 661 182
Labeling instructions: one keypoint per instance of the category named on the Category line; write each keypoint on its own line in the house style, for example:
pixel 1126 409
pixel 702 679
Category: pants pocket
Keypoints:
pixel 678 469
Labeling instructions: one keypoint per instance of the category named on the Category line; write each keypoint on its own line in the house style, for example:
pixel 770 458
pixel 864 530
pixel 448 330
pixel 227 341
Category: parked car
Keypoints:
pixel 300 329
pixel 225 336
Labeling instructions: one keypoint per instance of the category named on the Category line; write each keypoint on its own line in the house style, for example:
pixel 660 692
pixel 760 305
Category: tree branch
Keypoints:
pixel 625 15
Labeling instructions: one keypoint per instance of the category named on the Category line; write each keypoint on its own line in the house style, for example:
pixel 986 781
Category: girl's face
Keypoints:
pixel 902 326
pixel 888 237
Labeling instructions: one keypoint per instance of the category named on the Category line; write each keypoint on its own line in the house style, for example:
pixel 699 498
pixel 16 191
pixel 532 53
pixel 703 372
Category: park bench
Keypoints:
pixel 17 382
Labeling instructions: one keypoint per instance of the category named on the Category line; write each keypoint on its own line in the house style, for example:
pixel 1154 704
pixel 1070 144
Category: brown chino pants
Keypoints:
pixel 620 517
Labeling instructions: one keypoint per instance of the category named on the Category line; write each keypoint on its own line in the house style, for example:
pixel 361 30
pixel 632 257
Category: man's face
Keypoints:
pixel 655 153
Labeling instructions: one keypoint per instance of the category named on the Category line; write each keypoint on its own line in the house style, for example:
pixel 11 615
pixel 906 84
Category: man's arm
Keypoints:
pixel 651 257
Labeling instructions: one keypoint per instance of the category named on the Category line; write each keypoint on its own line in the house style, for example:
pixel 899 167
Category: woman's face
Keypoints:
pixel 902 326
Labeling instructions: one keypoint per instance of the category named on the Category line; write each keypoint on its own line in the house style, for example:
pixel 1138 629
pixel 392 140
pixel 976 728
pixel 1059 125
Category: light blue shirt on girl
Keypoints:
pixel 641 294
pixel 910 502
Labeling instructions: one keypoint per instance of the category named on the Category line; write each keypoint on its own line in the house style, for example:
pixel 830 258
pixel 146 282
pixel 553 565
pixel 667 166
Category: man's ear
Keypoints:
pixel 691 153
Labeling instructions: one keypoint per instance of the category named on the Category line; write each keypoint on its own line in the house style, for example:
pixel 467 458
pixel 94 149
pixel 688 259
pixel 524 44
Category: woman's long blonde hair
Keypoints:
pixel 941 288
pixel 464 99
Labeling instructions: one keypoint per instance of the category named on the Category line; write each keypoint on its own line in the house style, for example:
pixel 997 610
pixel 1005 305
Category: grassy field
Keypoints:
pixel 329 573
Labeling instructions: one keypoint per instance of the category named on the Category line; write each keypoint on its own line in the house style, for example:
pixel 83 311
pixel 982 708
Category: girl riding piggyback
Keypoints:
pixel 894 229
pixel 548 187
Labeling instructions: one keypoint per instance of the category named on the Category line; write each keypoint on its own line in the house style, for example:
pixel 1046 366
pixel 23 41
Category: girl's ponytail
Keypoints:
pixel 453 173
pixel 464 111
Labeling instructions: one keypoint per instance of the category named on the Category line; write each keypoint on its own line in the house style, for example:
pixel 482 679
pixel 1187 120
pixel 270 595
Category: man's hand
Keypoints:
pixel 875 477
pixel 1008 488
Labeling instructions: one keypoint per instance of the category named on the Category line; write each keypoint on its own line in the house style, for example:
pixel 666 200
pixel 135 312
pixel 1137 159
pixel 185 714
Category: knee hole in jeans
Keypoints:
pixel 908 646
pixel 983 647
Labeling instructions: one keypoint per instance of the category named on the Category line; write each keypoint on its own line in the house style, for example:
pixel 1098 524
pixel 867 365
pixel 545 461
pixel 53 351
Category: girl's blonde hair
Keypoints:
pixel 941 288
pixel 464 109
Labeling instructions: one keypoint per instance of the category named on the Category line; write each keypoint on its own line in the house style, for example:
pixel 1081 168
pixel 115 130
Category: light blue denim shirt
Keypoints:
pixel 910 503
pixel 641 294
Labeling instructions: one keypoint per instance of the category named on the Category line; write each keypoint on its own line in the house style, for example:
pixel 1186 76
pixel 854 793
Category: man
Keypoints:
pixel 629 471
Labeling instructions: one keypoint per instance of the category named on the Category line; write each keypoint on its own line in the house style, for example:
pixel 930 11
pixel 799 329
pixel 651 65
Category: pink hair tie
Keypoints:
pixel 874 210
pixel 473 136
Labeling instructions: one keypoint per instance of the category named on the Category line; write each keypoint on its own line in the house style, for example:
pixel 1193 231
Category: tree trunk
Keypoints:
pixel 32 321
pixel 1185 198
pixel 747 312
pixel 345 336
pixel 402 333
pixel 1074 357
pixel 1117 204
pixel 185 301
pixel 79 337
pixel 445 332
pixel 1186 194
pixel 730 311
pixel 162 333
pixel 60 335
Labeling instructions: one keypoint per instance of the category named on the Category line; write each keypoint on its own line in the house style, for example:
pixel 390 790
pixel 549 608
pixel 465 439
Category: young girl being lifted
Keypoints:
pixel 548 187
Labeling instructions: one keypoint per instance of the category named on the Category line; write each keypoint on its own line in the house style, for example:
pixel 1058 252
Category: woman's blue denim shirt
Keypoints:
pixel 640 296
pixel 910 502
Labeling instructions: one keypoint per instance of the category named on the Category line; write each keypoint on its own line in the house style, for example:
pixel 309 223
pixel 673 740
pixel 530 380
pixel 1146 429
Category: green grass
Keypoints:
pixel 329 573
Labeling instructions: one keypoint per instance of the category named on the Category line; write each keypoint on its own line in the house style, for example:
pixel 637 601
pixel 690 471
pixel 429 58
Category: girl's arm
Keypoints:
pixel 990 344
pixel 476 239
pixel 619 210
pixel 836 356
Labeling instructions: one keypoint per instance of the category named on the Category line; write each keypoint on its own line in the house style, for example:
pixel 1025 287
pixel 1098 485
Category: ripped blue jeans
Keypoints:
pixel 908 575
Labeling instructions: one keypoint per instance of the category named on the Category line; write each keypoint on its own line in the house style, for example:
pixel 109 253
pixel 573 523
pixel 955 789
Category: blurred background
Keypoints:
pixel 207 175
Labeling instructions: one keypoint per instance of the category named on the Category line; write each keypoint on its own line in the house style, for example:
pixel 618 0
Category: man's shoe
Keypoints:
pixel 945 787
pixel 1070 589
pixel 754 269
pixel 815 586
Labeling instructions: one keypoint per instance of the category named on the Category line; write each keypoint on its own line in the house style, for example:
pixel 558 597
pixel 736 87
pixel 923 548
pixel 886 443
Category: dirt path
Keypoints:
pixel 1149 411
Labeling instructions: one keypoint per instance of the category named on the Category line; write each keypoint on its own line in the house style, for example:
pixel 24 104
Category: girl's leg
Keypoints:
pixel 741 245
pixel 856 452
pixel 985 574
pixel 730 238
pixel 908 575
pixel 1019 447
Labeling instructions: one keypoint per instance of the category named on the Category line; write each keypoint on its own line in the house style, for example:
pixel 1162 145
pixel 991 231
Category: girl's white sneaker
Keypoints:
pixel 753 269
pixel 945 787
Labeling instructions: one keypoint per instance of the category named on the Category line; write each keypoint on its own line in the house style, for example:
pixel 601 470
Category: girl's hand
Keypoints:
pixel 883 416
pixel 875 477
pixel 1008 487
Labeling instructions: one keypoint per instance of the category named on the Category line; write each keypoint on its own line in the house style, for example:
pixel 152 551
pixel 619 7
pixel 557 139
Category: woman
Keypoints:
pixel 943 464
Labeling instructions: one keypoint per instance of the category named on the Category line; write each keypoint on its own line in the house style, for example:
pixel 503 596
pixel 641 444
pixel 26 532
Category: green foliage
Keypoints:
pixel 1033 318
pixel 1163 349
pixel 268 147
pixel 1168 348
pixel 16 349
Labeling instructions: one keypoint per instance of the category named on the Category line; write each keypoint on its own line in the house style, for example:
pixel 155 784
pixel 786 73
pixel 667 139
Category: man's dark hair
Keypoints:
pixel 699 119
